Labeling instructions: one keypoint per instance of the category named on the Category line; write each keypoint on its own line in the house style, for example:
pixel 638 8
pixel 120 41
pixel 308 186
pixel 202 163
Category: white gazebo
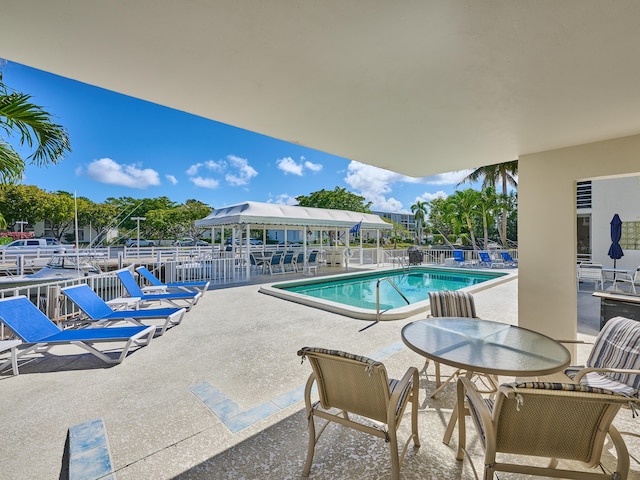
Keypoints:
pixel 256 215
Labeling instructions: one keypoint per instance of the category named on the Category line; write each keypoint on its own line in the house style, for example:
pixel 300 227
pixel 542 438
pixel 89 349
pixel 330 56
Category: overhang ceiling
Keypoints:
pixel 417 87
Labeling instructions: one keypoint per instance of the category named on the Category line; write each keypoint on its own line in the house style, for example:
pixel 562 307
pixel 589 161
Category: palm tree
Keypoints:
pixel 33 127
pixel 506 174
pixel 419 210
pixel 466 205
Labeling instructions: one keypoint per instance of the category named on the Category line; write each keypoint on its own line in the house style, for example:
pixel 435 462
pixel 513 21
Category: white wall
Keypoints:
pixel 547 227
pixel 611 196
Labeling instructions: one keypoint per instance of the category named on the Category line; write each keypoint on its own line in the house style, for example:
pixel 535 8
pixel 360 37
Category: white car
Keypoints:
pixel 35 245
pixel 132 242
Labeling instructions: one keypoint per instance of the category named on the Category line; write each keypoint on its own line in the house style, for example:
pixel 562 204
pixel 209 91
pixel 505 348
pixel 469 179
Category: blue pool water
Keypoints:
pixel 360 290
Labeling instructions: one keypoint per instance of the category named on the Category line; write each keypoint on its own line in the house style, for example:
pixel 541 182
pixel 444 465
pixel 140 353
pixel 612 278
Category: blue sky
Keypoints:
pixel 122 146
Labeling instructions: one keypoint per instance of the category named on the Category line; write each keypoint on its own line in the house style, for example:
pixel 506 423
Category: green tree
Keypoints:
pixel 22 203
pixel 506 174
pixel 337 199
pixel 442 217
pixel 59 211
pixel 33 127
pixel 466 207
pixel 419 210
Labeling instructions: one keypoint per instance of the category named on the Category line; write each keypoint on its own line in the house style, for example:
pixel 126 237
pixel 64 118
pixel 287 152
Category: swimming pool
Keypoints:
pixel 354 295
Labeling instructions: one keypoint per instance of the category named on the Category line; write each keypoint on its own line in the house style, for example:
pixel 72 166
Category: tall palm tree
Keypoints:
pixel 33 127
pixel 506 174
pixel 419 210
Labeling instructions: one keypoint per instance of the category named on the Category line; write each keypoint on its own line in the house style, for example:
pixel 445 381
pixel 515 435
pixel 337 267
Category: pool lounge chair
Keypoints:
pixel 39 334
pixel 97 310
pixel 186 286
pixel 131 286
pixel 458 258
pixel 487 261
pixel 508 259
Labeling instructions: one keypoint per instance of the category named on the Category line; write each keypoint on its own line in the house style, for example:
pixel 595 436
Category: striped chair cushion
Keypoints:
pixel 617 346
pixel 452 304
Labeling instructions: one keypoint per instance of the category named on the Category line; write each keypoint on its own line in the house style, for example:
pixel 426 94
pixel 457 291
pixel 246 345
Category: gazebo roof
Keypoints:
pixel 271 214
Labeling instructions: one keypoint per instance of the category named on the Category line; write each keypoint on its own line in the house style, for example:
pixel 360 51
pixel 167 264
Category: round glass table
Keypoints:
pixel 484 346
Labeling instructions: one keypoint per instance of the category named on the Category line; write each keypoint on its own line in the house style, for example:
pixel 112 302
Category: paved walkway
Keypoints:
pixel 219 396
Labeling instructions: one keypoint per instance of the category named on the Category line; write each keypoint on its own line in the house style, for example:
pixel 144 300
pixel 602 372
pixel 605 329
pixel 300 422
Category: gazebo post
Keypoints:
pixel 247 260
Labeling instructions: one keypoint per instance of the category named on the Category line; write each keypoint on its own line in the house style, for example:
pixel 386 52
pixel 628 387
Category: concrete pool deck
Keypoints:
pixel 220 396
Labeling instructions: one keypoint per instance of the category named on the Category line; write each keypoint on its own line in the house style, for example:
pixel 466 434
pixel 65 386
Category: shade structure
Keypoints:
pixel 273 215
pixel 615 250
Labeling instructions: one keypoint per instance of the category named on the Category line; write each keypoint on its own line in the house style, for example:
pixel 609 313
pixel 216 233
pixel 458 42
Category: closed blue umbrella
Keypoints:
pixel 615 250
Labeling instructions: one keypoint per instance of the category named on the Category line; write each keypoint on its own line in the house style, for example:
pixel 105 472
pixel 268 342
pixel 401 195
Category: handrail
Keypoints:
pixel 378 312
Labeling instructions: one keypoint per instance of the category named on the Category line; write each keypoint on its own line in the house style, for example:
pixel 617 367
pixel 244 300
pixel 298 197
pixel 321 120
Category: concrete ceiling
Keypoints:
pixel 417 87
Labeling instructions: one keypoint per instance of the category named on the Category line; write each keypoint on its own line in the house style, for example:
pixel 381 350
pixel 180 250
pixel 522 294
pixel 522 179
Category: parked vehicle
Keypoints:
pixel 190 242
pixel 133 242
pixel 36 245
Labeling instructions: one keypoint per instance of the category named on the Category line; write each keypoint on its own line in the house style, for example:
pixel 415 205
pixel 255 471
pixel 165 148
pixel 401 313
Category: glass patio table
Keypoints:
pixel 485 346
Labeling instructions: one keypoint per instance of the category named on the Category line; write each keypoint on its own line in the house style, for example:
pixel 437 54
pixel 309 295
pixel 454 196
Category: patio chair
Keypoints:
pixel 298 262
pixel 549 420
pixel 287 263
pixel 39 334
pixel 312 264
pixel 134 290
pixel 186 286
pixel 275 265
pixel 487 261
pixel 359 386
pixel 632 281
pixel 508 259
pixel 455 303
pixel 590 273
pixel 614 361
pixel 97 310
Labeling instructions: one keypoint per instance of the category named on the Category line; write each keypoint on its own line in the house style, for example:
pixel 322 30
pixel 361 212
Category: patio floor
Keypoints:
pixel 219 396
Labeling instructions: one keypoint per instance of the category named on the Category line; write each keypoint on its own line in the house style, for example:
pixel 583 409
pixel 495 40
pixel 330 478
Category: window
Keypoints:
pixel 630 239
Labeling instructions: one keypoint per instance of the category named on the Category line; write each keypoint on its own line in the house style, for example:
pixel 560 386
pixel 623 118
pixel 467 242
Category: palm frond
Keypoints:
pixel 34 127
pixel 11 164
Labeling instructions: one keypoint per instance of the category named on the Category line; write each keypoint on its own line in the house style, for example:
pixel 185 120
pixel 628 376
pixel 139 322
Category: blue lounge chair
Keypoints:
pixel 508 259
pixel 99 311
pixel 487 261
pixel 458 257
pixel 186 286
pixel 39 334
pixel 134 290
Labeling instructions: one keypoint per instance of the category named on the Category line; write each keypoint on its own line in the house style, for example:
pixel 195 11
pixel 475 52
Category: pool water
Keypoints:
pixel 415 284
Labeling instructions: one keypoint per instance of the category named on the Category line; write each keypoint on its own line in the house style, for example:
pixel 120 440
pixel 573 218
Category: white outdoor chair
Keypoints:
pixel 590 273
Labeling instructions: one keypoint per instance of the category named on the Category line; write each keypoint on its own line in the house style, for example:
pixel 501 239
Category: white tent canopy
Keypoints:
pixel 270 214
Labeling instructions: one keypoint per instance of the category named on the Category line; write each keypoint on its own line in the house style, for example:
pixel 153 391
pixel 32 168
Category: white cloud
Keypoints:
pixel 283 199
pixel 243 171
pixel 193 169
pixel 236 170
pixel 205 182
pixel 289 165
pixel 375 184
pixel 106 170
pixel 428 196
pixel 314 167
pixel 173 180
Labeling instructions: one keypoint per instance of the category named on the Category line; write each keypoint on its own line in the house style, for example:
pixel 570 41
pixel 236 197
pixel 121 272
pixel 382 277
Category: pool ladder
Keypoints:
pixel 378 312
pixel 400 260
